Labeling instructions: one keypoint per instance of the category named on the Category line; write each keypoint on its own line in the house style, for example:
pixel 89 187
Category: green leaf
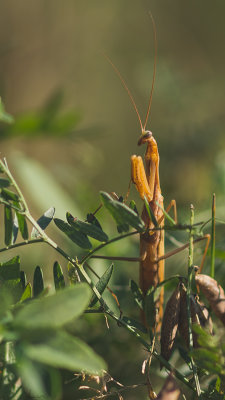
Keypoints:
pixel 4 183
pixel 167 216
pixel 93 220
pixel 137 293
pixel 87 229
pixel 58 276
pixel 32 376
pixel 55 310
pixel 15 229
pixel 4 116
pixel 102 284
pixel 9 195
pixel 66 351
pixel 38 282
pixel 8 219
pixel 10 269
pixel 133 206
pixel 135 324
pixel 77 237
pixel 43 222
pixel 23 279
pixel 122 214
pixel 150 212
pixel 22 226
pixel 27 293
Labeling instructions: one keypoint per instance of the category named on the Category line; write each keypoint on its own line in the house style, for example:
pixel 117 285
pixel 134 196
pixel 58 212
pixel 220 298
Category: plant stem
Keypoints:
pixel 14 183
pixel 213 237
pixel 13 246
pixel 190 277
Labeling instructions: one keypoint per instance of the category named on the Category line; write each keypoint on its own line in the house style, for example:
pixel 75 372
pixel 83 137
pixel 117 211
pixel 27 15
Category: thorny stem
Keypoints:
pixel 190 276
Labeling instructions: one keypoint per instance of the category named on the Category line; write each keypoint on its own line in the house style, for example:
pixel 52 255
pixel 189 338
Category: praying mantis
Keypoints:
pixel 147 182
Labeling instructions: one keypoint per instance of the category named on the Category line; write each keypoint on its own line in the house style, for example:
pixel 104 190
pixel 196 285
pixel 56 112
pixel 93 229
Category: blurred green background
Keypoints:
pixel 75 128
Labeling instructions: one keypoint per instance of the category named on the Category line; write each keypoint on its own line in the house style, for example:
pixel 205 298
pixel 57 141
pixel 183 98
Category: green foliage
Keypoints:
pixel 39 322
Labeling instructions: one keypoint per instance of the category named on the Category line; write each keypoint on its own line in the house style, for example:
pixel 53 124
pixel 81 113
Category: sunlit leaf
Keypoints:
pixel 27 293
pixel 43 222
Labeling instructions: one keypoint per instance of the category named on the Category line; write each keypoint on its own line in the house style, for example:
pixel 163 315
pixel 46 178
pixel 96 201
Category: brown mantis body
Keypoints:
pixel 151 243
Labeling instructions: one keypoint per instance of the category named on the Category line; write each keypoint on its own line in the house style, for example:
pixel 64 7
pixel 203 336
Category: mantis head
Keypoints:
pixel 145 137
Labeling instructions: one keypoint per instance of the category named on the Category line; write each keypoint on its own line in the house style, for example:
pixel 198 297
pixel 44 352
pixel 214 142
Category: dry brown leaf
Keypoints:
pixel 170 390
pixel 214 294
pixel 170 324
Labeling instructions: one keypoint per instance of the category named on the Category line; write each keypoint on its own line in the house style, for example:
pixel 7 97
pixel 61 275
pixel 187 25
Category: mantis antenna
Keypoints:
pixel 153 81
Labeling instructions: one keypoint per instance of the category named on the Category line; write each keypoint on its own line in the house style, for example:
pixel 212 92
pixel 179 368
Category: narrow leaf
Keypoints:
pixel 150 212
pixel 77 237
pixel 55 310
pixel 4 183
pixel 8 225
pixel 43 222
pixel 121 213
pixel 22 226
pixel 102 284
pixel 10 269
pixel 87 229
pixel 38 282
pixel 66 351
pixel 23 279
pixel 9 195
pixel 93 220
pixel 15 229
pixel 168 217
pixel 133 206
pixel 27 293
pixel 137 293
pixel 58 276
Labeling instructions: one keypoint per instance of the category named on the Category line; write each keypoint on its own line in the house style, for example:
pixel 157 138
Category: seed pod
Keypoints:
pixel 214 294
pixel 183 317
pixel 170 324
pixel 170 390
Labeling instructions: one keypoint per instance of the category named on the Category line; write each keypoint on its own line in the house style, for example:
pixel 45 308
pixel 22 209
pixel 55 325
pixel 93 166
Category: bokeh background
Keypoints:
pixel 75 128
